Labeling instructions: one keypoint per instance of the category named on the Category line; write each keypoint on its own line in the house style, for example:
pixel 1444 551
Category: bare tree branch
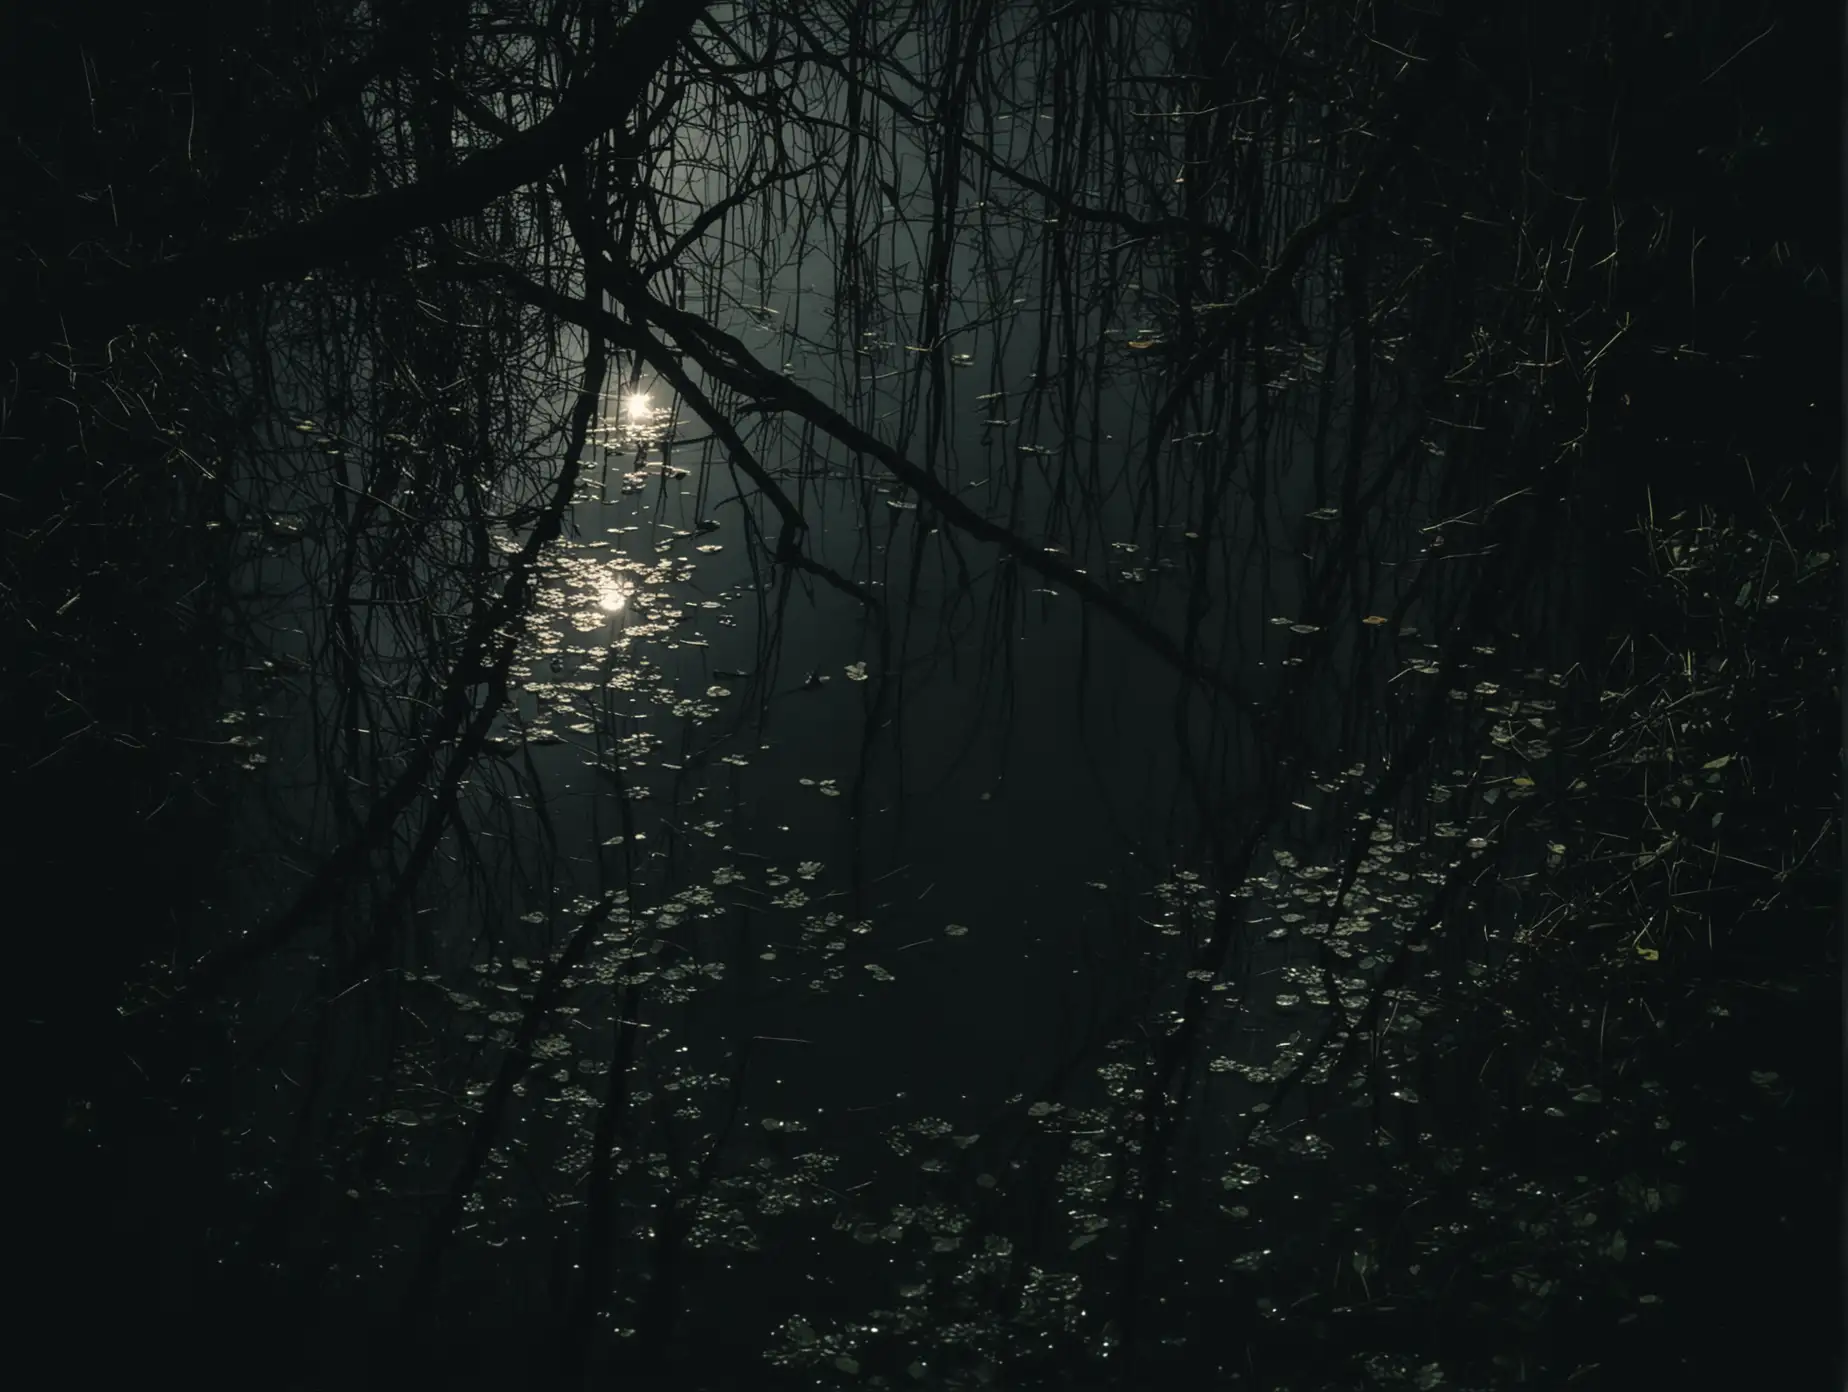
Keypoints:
pixel 600 101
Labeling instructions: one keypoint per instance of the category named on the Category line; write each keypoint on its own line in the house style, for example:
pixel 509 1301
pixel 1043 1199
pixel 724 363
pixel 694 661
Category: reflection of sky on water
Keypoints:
pixel 1008 767
pixel 920 858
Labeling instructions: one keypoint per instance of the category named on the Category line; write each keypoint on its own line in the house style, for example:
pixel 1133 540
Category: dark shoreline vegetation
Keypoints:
pixel 977 694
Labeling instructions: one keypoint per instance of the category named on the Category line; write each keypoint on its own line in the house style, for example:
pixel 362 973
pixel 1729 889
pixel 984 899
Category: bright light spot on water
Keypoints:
pixel 636 404
pixel 612 601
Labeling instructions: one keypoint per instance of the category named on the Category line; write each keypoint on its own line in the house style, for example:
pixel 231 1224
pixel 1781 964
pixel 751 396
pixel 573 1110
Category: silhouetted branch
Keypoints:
pixel 602 99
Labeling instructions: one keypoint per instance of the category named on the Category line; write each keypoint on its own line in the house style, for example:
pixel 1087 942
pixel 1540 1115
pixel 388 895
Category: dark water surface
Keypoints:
pixel 865 878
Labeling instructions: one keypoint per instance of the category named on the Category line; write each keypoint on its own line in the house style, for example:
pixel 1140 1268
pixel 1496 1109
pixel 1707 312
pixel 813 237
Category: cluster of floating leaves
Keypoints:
pixel 642 961
pixel 1337 933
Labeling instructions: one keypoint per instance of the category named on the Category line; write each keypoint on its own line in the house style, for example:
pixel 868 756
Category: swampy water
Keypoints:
pixel 882 732
pixel 857 899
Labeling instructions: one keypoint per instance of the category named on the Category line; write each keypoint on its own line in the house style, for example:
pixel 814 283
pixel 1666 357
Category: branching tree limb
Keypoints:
pixel 601 100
